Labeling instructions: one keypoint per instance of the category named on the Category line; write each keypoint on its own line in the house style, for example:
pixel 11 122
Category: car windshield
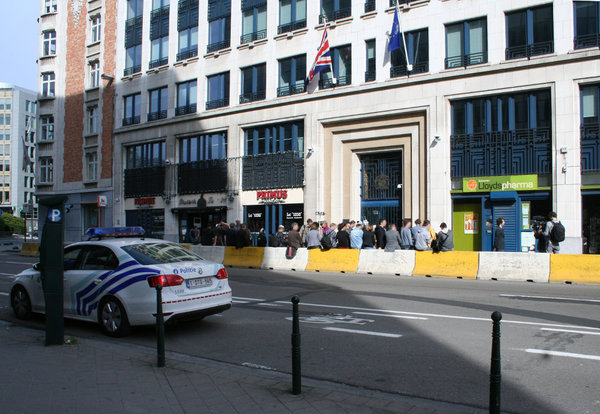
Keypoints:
pixel 159 253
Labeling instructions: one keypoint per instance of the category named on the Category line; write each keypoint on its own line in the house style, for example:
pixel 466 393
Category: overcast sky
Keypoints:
pixel 19 42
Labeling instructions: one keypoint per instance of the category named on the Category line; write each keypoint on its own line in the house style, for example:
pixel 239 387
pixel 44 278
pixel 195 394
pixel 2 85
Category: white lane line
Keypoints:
pixel 4 293
pixel 250 299
pixel 435 315
pixel 268 304
pixel 570 331
pixel 239 301
pixel 356 331
pixel 505 295
pixel 391 315
pixel 563 354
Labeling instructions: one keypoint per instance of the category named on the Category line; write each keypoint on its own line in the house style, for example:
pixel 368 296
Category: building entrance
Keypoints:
pixel 381 187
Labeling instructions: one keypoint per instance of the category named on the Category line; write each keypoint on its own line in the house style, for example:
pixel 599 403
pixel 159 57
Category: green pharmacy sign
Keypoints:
pixel 500 183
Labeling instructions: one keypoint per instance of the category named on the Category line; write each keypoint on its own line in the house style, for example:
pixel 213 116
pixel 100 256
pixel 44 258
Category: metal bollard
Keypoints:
pixel 296 363
pixel 495 375
pixel 160 327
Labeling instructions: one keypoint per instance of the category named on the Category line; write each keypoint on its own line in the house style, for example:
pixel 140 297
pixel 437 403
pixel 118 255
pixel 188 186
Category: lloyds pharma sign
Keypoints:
pixel 500 183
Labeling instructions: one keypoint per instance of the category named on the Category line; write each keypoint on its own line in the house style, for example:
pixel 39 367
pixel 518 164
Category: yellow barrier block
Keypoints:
pixel 244 257
pixel 30 249
pixel 334 260
pixel 575 268
pixel 448 264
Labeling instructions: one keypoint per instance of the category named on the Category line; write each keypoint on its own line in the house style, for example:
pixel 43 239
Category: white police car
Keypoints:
pixel 112 282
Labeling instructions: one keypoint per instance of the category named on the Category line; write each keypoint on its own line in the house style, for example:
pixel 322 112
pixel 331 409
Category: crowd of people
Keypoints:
pixel 221 234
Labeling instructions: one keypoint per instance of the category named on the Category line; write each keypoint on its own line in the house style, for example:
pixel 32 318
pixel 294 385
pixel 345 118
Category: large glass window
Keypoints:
pixel 159 34
pixel 466 43
pixel 50 6
pixel 94 74
pixel 135 8
pixel 133 60
pixel 151 154
pixel 254 20
pixel 529 32
pixel 590 133
pixel 49 44
pixel 219 25
pixel 218 91
pixel 96 28
pixel 417 54
pixel 187 25
pixel 158 103
pixel 187 95
pixel 342 68
pixel 91 163
pixel 46 170
pixel 132 109
pixel 334 10
pixel 204 147
pixel 133 37
pixel 48 84
pixel 159 52
pixel 292 72
pixel 587 24
pixel 253 83
pixel 47 128
pixel 92 118
pixel 590 96
pixel 275 138
pixel 370 72
pixel 292 15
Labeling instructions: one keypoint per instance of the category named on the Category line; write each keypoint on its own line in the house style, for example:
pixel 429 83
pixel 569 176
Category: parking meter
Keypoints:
pixel 51 267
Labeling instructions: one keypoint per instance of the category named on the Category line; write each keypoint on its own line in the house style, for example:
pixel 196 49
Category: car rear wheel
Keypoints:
pixel 113 318
pixel 20 302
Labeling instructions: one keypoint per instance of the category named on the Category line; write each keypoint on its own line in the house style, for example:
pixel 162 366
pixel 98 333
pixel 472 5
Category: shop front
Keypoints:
pixel 203 211
pixel 590 200
pixel 148 213
pixel 518 199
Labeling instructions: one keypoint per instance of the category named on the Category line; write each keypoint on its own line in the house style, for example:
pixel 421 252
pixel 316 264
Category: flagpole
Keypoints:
pixel 333 79
pixel 408 65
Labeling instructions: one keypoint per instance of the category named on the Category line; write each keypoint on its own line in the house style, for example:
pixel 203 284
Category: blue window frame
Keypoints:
pixel 292 15
pixel 590 130
pixel 275 138
pixel 587 24
pixel 292 72
pixel 466 43
pixel 219 25
pixel 253 83
pixel 254 20
pixel 529 32
pixel 204 147
pixel 341 58
pixel 417 44
pixel 218 90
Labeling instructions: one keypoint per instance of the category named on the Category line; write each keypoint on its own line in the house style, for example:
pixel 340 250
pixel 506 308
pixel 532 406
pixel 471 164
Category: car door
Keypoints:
pixel 94 264
pixel 71 262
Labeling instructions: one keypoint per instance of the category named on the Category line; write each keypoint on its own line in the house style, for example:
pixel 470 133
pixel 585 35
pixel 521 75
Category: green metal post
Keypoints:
pixel 160 327
pixel 495 375
pixel 296 361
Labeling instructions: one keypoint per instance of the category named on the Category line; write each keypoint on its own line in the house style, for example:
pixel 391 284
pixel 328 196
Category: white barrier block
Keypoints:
pixel 400 262
pixel 212 253
pixel 274 258
pixel 514 266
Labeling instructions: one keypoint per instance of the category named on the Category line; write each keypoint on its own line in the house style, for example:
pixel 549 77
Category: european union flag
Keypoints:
pixel 395 41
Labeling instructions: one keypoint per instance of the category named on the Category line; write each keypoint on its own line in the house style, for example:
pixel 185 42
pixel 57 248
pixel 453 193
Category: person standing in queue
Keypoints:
pixel 343 237
pixel 499 236
pixel 380 234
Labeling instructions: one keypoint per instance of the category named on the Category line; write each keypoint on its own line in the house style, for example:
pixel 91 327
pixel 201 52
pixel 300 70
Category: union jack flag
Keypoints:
pixel 322 60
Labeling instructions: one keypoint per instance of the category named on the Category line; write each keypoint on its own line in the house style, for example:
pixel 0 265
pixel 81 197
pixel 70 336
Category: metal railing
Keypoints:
pixel 590 147
pixel 131 120
pixel 153 116
pixel 208 176
pixel 370 75
pixel 131 70
pixel 340 81
pixel 290 27
pixel 185 109
pixel 217 103
pixel 535 49
pixel 158 62
pixel 466 60
pixel 144 182
pixel 402 70
pixel 187 53
pixel 291 89
pixel 274 170
pixel 251 37
pixel 252 96
pixel 213 47
pixel 336 15
pixel 590 40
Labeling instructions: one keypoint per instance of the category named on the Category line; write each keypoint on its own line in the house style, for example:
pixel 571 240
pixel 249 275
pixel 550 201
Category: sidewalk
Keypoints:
pixel 97 376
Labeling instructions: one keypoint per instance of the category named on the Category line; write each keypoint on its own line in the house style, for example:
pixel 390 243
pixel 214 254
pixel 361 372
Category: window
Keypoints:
pixel 96 257
pixel 218 91
pixel 254 20
pixel 334 9
pixel 203 148
pixel 92 118
pixel 91 166
pixel 370 55
pixel 2 103
pixel 292 15
pixel 49 44
pixel 466 43
pixel 50 6
pixel 342 68
pixel 159 34
pixel 134 8
pixel 587 24
pixel 7 197
pixel 590 131
pixel 253 83
pixel 151 154
pixel 186 97
pixel 529 32
pixel 275 138
pixel 158 104
pixel 7 119
pixel 417 43
pixel 219 25
pixel 292 72
pixel 370 6
pixel 90 219
pixel 159 52
pixel 133 60
pixel 589 105
pixel 96 28
pixel 131 113
pixel 47 128
pixel 187 25
pixel 8 103
pixel 133 37
pixel 46 170
pixel 6 162
pixel 48 85
pixel 94 68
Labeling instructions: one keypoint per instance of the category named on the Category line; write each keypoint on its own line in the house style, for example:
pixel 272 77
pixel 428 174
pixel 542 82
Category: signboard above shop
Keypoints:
pixel 500 183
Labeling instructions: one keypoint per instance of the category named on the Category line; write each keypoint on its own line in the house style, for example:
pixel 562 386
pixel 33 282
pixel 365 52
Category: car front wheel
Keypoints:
pixel 113 318
pixel 20 302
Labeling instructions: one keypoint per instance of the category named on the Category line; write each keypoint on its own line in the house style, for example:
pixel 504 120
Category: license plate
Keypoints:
pixel 199 282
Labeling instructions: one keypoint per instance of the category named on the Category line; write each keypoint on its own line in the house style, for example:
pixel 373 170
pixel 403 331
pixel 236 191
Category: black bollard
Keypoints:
pixel 296 363
pixel 160 327
pixel 495 375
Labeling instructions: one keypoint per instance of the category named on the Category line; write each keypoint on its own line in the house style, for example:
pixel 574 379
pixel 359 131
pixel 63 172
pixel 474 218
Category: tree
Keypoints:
pixel 13 224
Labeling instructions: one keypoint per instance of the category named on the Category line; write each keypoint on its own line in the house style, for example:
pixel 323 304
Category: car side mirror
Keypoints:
pixel 36 266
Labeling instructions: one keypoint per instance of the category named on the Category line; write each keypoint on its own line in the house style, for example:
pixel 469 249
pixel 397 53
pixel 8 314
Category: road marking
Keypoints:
pixel 250 299
pixel 562 354
pixel 392 316
pixel 4 293
pixel 356 331
pixel 435 315
pixel 239 301
pixel 570 331
pixel 257 366
pixel 504 295
pixel 268 304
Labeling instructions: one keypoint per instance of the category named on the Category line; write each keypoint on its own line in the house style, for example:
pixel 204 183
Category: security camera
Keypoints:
pixel 437 138
pixel 310 149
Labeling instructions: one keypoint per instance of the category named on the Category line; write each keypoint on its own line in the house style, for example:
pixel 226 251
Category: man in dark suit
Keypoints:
pixel 499 235
pixel 380 234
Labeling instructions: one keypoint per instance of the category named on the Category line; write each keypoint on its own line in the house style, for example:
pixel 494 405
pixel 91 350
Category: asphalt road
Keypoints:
pixel 426 337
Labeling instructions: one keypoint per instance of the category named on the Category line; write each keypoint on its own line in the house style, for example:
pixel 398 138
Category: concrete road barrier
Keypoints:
pixel 575 268
pixel 333 260
pixel 244 257
pixel 449 264
pixel 30 249
pixel 531 267
pixel 274 258
pixel 400 262
pixel 213 253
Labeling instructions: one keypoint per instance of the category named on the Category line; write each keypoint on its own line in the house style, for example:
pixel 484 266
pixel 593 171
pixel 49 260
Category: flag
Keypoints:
pixel 395 35
pixel 322 60
pixel 26 160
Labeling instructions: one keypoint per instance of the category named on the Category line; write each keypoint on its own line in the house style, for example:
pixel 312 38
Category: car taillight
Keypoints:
pixel 222 274
pixel 165 280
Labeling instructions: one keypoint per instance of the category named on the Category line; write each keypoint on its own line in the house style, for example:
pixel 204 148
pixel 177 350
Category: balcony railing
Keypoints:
pixel 133 21
pixel 144 182
pixel 590 40
pixel 158 62
pixel 185 109
pixel 369 6
pixel 130 120
pixel 217 103
pixel 251 37
pixel 327 83
pixel 402 70
pixel 131 70
pixel 197 177
pixel 153 116
pixel 213 47
pixel 535 49
pixel 590 147
pixel 252 96
pixel 336 15
pixel 187 53
pixel 290 27
pixel 515 152
pixel 466 60
pixel 291 89
pixel 276 170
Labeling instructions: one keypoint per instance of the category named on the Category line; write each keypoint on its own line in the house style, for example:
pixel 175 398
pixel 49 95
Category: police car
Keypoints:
pixel 112 281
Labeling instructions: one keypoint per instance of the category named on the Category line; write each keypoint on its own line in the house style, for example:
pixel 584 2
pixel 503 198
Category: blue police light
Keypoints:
pixel 115 232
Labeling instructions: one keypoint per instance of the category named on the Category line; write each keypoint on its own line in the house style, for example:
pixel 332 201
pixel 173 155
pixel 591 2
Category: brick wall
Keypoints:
pixel 108 93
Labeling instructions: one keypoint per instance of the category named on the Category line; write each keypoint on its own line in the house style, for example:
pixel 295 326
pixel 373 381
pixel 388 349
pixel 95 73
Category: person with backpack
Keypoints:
pixel 554 233
pixel 329 238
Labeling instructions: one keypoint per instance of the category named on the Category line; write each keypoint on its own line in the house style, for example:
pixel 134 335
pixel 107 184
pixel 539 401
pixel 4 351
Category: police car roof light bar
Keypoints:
pixel 100 232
